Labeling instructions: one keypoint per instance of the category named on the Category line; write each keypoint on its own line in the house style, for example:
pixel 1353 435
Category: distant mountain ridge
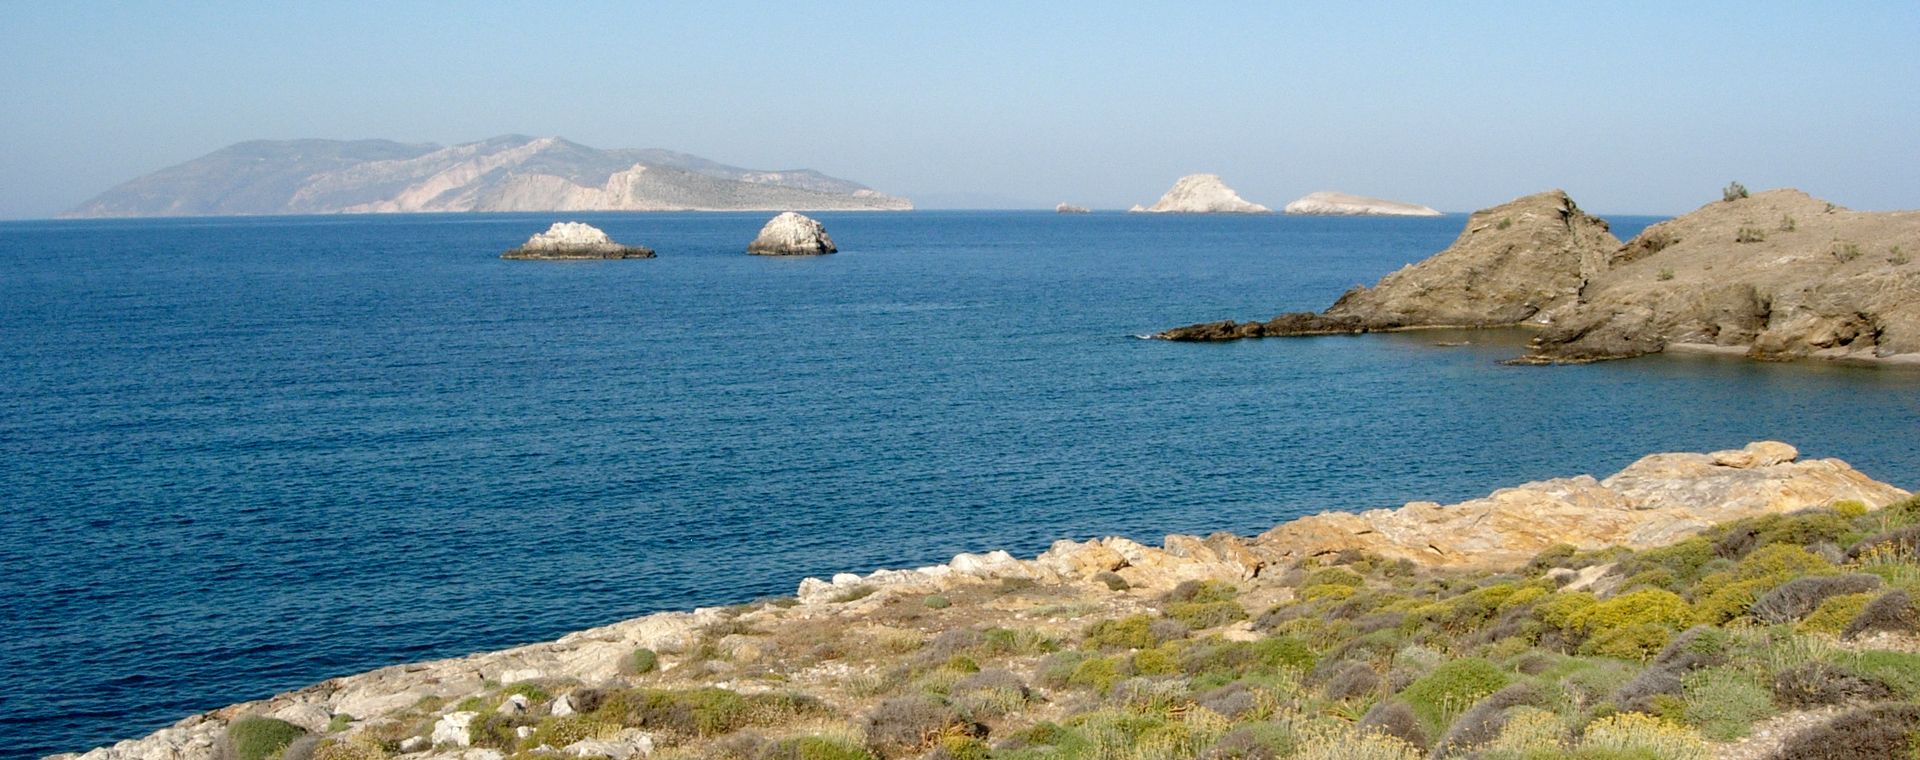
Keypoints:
pixel 508 173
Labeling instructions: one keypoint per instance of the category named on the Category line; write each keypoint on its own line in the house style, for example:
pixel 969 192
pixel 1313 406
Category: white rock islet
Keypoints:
pixel 575 240
pixel 1202 194
pixel 1331 203
pixel 791 234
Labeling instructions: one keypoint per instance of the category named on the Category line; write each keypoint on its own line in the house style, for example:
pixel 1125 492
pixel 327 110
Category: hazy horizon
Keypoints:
pixel 1638 109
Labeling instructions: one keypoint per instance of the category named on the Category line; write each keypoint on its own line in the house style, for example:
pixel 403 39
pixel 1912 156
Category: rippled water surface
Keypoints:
pixel 241 456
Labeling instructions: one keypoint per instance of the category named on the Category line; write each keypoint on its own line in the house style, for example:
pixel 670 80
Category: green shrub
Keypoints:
pixel 1327 591
pixel 909 725
pixel 1832 615
pixel 641 662
pixel 814 748
pixel 1632 736
pixel 1204 604
pixel 705 711
pixel 1899 670
pixel 1780 559
pixel 1198 615
pixel 1749 235
pixel 1278 653
pixel 1634 641
pixel 257 737
pixel 1724 703
pixel 561 730
pixel 936 602
pixel 1647 606
pixel 1099 674
pixel 1450 689
pixel 1562 609
pixel 1334 576
pixel 1734 191
pixel 1131 632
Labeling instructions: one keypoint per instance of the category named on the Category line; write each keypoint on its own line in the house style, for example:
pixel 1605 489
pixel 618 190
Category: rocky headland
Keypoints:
pixel 1068 208
pixel 507 173
pixel 1330 203
pixel 575 241
pixel 1775 275
pixel 1539 616
pixel 791 234
pixel 1201 194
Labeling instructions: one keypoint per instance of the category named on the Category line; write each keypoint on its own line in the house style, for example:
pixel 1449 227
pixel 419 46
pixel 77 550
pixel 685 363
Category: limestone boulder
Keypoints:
pixel 791 234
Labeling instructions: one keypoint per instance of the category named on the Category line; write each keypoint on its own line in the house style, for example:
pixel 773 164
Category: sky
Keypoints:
pixel 1633 108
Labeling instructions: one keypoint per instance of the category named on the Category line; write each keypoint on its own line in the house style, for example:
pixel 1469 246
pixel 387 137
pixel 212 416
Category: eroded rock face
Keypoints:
pixel 791 234
pixel 1330 203
pixel 1202 194
pixel 1512 262
pixel 1655 501
pixel 1779 275
pixel 575 240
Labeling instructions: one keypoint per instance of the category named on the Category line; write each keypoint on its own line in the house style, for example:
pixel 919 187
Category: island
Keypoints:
pixel 1201 194
pixel 506 173
pixel 791 234
pixel 575 241
pixel 1330 203
pixel 1776 275
pixel 1755 600
pixel 1068 208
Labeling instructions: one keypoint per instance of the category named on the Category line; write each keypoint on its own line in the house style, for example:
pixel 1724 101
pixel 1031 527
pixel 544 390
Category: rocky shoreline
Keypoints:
pixel 1777 275
pixel 436 709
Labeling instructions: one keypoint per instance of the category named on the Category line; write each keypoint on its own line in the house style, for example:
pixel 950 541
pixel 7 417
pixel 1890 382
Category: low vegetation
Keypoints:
pixel 1669 653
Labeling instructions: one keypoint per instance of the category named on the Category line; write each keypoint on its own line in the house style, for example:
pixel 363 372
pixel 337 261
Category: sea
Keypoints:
pixel 243 455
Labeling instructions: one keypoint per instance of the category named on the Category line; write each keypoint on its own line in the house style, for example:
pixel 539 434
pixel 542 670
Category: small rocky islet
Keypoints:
pixel 792 234
pixel 1775 275
pixel 575 241
pixel 1739 603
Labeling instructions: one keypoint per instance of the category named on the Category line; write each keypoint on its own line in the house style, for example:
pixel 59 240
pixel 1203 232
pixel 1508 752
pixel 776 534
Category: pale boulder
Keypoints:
pixel 791 234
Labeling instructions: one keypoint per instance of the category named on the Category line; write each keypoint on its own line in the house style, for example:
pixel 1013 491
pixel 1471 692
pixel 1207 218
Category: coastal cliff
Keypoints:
pixel 1219 644
pixel 508 173
pixel 1774 275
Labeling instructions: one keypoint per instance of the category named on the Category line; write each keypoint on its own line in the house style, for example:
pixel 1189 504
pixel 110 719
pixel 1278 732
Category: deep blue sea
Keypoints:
pixel 239 456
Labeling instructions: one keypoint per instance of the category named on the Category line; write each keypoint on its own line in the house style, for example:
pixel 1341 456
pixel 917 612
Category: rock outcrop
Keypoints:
pixel 575 241
pixel 1659 499
pixel 1512 262
pixel 1068 208
pixel 509 173
pixel 1778 275
pixel 1202 194
pixel 1330 203
pixel 1653 502
pixel 791 234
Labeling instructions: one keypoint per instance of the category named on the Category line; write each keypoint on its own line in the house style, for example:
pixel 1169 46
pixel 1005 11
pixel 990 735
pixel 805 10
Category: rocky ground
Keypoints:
pixel 1773 275
pixel 1692 605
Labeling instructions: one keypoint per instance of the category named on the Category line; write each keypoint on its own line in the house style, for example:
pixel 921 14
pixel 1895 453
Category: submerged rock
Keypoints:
pixel 1329 203
pixel 575 240
pixel 1202 194
pixel 791 234
pixel 1068 208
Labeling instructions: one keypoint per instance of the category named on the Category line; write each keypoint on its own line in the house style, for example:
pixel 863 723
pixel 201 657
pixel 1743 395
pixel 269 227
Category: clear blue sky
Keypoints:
pixel 1633 108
